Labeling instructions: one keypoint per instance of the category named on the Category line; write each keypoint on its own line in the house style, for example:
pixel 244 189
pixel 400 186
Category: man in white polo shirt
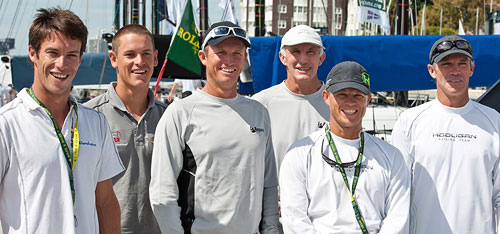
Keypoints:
pixel 57 157
pixel 452 146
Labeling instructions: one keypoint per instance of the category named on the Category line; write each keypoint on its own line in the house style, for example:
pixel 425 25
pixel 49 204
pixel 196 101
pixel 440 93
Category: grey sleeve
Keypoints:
pixel 166 165
pixel 270 216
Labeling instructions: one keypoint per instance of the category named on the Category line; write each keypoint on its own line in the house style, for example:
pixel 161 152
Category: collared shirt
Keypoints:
pixel 315 199
pixel 35 194
pixel 134 140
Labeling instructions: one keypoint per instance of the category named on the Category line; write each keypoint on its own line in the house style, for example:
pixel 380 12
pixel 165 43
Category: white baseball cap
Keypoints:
pixel 301 34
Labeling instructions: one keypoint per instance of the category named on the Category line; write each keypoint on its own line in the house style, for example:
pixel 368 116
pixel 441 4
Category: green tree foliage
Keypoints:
pixel 453 11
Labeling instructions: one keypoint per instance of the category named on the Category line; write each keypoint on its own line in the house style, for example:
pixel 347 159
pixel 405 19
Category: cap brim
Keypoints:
pixel 441 56
pixel 300 41
pixel 345 85
pixel 218 40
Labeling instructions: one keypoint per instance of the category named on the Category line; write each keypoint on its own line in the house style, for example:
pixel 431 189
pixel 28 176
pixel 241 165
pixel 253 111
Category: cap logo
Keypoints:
pixel 366 78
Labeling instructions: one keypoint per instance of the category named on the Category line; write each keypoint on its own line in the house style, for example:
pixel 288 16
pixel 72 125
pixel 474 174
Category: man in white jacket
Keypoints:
pixel 340 179
pixel 451 145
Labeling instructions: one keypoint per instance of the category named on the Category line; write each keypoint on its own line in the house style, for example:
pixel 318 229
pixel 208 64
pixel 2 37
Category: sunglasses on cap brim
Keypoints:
pixel 224 31
pixel 448 45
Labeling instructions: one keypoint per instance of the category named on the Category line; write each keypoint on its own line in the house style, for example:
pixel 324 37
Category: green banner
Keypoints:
pixel 185 44
pixel 376 4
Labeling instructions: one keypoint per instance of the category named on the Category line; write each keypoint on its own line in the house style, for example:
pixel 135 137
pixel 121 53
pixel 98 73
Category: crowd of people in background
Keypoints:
pixel 291 159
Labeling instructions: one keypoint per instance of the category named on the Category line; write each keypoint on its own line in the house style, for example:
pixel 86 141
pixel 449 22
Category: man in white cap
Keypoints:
pixel 452 147
pixel 296 106
pixel 340 179
pixel 213 167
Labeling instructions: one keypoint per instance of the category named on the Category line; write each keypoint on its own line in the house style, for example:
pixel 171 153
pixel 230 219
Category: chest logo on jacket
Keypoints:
pixel 256 129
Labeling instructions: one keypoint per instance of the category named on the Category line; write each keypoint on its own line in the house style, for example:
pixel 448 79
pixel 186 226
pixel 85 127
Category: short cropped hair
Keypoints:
pixel 54 20
pixel 131 29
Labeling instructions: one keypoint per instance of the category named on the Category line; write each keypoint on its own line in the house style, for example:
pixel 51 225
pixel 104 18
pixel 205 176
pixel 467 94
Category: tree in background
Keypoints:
pixel 453 11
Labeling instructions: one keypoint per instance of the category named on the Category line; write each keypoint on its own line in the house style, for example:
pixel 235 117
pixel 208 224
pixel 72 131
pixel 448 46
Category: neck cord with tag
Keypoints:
pixel 70 158
pixel 357 171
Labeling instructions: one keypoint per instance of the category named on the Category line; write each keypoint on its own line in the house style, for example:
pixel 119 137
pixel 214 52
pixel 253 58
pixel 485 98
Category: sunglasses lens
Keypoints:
pixel 221 31
pixel 463 45
pixel 444 46
pixel 240 32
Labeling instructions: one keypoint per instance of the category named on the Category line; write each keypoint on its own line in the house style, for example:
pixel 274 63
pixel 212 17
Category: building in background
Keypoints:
pixel 280 15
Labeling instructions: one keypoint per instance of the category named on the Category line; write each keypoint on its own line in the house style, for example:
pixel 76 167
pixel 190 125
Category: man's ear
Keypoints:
pixel 282 57
pixel 203 57
pixel 32 54
pixel 431 70
pixel 112 59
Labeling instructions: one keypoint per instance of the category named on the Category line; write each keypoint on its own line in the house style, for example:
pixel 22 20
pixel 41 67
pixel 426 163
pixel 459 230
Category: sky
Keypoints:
pixel 98 16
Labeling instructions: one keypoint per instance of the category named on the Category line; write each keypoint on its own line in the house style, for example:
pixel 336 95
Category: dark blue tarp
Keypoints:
pixel 393 62
pixel 89 71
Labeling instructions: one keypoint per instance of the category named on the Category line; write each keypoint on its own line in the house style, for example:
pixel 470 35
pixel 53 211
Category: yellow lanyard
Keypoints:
pixel 70 158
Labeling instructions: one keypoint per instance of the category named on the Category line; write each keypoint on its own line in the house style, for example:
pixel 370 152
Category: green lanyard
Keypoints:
pixel 357 171
pixel 71 160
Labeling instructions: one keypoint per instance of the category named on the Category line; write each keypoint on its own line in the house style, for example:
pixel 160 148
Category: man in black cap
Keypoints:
pixel 451 145
pixel 340 179
pixel 213 168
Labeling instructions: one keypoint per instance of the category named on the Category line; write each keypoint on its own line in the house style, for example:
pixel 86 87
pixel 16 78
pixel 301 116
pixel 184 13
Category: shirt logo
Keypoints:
pixel 117 136
pixel 321 124
pixel 256 129
pixel 448 136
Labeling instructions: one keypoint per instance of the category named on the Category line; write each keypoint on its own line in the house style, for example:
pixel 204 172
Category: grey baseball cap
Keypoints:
pixel 435 56
pixel 348 75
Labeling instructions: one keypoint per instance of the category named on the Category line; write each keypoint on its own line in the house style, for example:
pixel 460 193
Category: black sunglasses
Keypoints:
pixel 448 45
pixel 333 162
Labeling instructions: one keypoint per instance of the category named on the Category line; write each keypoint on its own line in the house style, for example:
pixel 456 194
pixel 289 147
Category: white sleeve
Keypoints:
pixel 166 164
pixel 397 208
pixel 110 163
pixel 400 140
pixel 270 216
pixel 4 155
pixel 496 181
pixel 293 194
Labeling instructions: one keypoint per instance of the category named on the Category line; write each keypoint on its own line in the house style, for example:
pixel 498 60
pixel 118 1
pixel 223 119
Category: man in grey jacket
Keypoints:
pixel 213 163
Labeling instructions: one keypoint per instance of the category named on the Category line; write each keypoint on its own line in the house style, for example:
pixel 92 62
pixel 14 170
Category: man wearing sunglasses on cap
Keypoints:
pixel 213 163
pixel 451 145
pixel 340 179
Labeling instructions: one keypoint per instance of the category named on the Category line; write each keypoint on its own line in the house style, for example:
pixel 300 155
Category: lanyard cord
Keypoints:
pixel 71 160
pixel 357 171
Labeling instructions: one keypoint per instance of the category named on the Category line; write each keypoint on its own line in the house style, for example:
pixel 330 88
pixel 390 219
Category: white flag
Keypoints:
pixel 228 13
pixel 460 28
pixel 175 9
pixel 373 11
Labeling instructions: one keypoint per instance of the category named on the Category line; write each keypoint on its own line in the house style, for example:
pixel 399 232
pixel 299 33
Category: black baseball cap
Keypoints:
pixel 436 57
pixel 348 74
pixel 211 38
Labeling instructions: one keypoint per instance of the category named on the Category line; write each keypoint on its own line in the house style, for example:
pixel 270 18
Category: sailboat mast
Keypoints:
pixel 203 17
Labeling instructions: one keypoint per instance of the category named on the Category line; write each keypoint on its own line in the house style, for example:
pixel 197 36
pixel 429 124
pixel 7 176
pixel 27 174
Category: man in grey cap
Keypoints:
pixel 340 179
pixel 296 106
pixel 213 163
pixel 451 145
pixel 133 113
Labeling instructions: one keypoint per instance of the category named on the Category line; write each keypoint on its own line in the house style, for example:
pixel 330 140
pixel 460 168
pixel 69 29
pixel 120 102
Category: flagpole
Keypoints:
pixel 161 74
